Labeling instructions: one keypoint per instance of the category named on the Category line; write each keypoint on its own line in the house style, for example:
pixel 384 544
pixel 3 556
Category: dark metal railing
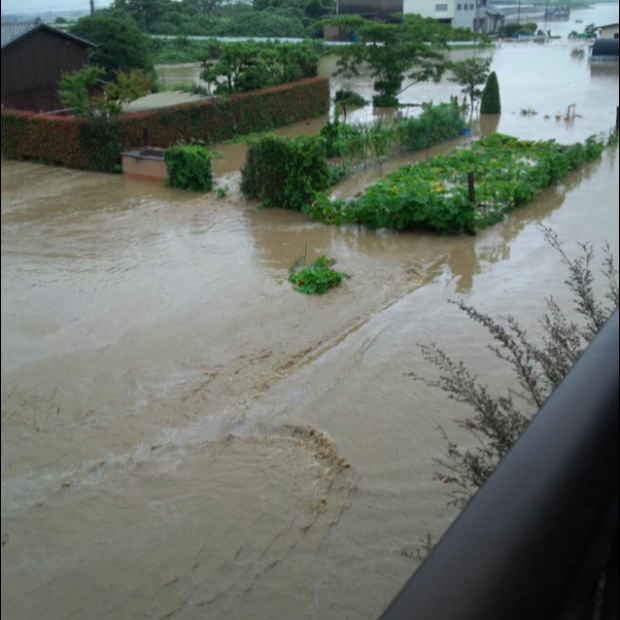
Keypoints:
pixel 536 540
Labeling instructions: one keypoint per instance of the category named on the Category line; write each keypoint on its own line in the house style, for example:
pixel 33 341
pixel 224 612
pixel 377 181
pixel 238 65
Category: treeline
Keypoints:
pixel 262 18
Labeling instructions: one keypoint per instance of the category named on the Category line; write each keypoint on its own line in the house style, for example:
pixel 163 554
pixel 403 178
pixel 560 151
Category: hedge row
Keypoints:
pixel 97 145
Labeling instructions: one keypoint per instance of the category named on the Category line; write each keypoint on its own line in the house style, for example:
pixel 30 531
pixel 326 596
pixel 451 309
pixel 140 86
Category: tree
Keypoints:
pixel 204 6
pixel 80 91
pixel 121 46
pixel 395 52
pixel 491 99
pixel 75 90
pixel 60 21
pixel 472 74
pixel 272 23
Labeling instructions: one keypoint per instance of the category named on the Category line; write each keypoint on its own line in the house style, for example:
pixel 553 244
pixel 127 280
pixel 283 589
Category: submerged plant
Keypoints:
pixel 316 279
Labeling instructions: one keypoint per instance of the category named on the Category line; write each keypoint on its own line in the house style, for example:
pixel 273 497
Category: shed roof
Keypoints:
pixel 16 31
pixel 609 25
pixel 606 47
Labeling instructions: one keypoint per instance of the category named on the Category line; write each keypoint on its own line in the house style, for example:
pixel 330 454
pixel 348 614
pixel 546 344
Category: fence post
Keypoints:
pixel 471 179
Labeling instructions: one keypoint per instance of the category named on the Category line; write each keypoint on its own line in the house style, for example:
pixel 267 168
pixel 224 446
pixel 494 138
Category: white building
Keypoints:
pixel 610 32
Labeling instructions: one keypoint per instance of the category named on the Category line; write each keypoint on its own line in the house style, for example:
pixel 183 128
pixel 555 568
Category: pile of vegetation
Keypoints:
pixel 515 30
pixel 285 173
pixel 189 168
pixel 435 195
pixel 316 279
pixel 350 98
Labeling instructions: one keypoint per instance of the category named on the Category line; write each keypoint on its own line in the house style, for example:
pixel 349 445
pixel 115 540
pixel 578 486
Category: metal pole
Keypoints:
pixel 519 12
pixel 92 8
pixel 471 180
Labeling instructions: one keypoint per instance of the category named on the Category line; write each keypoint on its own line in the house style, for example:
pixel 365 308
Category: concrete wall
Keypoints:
pixel 443 10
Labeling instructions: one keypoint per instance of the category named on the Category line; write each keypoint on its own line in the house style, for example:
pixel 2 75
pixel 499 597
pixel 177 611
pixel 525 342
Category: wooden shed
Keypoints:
pixel 34 56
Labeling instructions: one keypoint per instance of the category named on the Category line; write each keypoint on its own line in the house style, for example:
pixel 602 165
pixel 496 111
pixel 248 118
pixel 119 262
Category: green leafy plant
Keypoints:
pixel 222 192
pixel 316 279
pixel 350 98
pixel 491 98
pixel 189 168
pixel 75 90
pixel 434 195
pixel 285 173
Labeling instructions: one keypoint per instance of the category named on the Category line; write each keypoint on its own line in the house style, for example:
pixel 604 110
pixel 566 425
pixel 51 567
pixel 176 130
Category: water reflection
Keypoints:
pixel 605 70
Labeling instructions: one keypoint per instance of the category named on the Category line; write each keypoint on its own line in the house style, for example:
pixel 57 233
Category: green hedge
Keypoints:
pixel 286 173
pixel 88 145
pixel 189 167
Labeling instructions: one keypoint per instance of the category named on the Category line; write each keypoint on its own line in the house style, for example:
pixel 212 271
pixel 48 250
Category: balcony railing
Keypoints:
pixel 540 540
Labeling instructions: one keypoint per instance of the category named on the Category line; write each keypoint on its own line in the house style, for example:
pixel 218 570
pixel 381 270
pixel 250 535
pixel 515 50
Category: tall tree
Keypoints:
pixel 410 50
pixel 472 74
pixel 204 6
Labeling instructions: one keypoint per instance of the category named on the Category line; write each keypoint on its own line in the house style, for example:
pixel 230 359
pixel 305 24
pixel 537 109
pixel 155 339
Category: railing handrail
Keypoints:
pixel 530 544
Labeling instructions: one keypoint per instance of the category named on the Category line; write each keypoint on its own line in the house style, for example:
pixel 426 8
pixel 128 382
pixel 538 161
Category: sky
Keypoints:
pixel 41 6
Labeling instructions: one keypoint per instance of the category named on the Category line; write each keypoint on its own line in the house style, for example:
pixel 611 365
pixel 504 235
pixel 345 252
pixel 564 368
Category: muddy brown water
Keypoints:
pixel 185 437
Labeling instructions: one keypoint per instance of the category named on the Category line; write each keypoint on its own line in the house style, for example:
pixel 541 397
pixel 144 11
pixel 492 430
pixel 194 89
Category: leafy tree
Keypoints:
pixel 272 23
pixel 472 74
pixel 395 52
pixel 75 90
pixel 204 6
pixel 60 21
pixel 79 91
pixel 491 99
pixel 238 69
pixel 121 46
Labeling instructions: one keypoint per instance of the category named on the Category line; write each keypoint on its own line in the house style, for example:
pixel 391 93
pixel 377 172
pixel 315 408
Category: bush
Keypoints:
pixel 316 279
pixel 286 173
pixel 189 168
pixel 437 124
pixel 350 98
pixel 59 141
pixel 491 99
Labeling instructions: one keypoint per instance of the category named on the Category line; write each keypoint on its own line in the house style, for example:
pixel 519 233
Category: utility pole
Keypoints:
pixel 519 12
pixel 92 8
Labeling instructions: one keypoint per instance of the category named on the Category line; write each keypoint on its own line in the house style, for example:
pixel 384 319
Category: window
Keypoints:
pixel 459 7
pixel 441 8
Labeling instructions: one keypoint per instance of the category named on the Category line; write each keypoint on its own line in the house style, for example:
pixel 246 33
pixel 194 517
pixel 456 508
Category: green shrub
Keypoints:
pixel 491 99
pixel 437 124
pixel 189 168
pixel 316 279
pixel 350 98
pixel 100 142
pixel 285 173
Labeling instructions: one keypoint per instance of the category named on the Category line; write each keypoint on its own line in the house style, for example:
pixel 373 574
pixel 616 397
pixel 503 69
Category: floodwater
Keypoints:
pixel 185 437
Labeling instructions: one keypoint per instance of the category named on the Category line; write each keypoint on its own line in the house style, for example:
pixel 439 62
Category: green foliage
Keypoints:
pixel 434 195
pixel 191 89
pixel 285 173
pixel 409 49
pixel 75 89
pixel 59 141
pixel 60 21
pixel 338 174
pixel 272 23
pixel 513 30
pixel 189 168
pixel 472 74
pixel 350 98
pixel 437 124
pixel 357 143
pixel 316 279
pixel 246 66
pixel 100 144
pixel 491 99
pixel 222 192
pixel 121 46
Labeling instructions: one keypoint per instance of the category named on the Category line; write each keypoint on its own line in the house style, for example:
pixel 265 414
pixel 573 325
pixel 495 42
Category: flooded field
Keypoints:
pixel 184 437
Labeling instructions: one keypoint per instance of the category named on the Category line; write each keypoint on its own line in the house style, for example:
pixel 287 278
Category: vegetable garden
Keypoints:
pixel 437 195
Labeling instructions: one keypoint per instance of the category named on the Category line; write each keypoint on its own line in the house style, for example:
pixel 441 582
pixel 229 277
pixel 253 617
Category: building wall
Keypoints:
pixel 611 32
pixel 443 10
pixel 32 67
pixel 466 14
pixel 380 8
